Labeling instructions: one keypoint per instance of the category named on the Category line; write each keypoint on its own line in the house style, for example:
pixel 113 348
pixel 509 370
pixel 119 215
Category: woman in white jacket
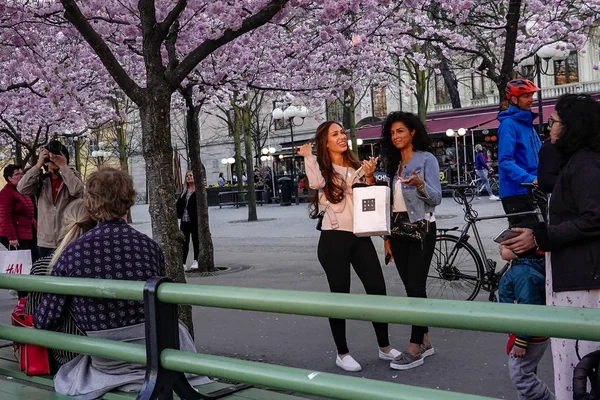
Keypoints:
pixel 332 172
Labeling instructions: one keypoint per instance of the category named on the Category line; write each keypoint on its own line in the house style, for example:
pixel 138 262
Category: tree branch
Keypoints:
pixel 74 15
pixel 205 49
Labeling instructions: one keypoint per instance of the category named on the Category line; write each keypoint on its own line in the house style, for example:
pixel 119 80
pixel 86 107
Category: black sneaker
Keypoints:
pixel 406 361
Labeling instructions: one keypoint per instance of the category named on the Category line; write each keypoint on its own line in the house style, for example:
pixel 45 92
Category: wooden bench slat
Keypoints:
pixel 18 391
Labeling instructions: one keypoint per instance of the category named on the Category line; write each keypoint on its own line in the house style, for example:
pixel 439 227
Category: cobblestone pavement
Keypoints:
pixel 279 251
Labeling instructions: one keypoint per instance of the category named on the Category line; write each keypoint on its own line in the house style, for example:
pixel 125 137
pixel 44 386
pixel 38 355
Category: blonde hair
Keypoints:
pixel 77 221
pixel 109 194
pixel 478 147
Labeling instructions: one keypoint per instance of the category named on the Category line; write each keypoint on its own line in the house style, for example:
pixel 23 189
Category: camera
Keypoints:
pixel 55 147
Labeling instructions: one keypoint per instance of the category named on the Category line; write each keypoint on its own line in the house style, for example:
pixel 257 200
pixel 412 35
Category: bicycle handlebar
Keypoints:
pixel 528 185
pixel 461 187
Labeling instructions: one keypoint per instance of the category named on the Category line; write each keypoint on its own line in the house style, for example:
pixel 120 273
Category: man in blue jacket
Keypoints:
pixel 518 147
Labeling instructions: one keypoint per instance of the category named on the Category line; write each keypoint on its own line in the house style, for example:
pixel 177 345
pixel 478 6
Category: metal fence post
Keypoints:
pixel 159 382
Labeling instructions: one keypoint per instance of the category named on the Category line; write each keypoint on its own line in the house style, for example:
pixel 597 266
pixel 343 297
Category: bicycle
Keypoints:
pixel 457 269
pixel 475 181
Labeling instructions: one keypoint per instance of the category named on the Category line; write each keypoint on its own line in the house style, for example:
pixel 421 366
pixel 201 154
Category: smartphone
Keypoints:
pixel 505 235
pixel 388 257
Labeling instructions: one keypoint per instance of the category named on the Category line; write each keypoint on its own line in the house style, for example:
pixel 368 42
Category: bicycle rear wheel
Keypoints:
pixel 456 270
pixel 469 195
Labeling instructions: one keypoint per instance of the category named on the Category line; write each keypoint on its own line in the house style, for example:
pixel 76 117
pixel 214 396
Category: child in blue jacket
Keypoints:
pixel 524 283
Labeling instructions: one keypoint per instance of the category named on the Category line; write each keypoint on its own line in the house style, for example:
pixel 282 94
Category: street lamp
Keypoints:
pixel 228 161
pixel 268 156
pixel 100 154
pixel 295 116
pixel 557 52
pixel 456 134
pixel 359 142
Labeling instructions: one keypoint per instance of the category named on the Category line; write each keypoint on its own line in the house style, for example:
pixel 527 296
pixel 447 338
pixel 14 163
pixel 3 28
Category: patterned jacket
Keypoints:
pixel 111 250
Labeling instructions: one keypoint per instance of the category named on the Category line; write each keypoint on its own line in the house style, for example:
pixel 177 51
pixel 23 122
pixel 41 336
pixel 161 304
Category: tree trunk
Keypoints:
pixel 249 164
pixel 237 133
pixel 421 94
pixel 450 80
pixel 158 154
pixel 206 260
pixel 350 100
pixel 512 31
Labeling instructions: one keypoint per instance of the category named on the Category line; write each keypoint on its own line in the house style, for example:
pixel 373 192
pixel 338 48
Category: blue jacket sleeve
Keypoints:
pixel 433 187
pixel 507 140
pixel 480 161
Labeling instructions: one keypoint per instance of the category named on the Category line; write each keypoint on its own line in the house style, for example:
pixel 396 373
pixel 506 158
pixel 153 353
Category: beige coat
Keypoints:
pixel 50 214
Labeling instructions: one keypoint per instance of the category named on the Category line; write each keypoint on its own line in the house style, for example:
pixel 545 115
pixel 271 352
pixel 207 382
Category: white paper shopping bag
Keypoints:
pixel 15 262
pixel 371 210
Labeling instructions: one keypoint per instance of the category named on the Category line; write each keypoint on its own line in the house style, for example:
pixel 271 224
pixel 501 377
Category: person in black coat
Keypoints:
pixel 573 234
pixel 187 211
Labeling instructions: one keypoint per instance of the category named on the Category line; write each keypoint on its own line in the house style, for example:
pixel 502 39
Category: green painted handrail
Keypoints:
pixel 560 322
pixel 135 353
pixel 105 288
pixel 302 380
pixel 274 376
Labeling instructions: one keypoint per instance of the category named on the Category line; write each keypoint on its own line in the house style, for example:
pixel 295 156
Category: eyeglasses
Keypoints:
pixel 552 121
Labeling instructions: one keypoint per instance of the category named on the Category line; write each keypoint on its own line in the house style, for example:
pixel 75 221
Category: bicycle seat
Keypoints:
pixel 461 187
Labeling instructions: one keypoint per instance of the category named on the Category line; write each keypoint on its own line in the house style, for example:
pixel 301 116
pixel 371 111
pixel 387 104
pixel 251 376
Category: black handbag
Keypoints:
pixel 402 228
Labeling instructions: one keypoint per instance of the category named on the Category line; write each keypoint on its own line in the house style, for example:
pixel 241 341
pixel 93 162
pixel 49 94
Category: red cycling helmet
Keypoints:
pixel 518 87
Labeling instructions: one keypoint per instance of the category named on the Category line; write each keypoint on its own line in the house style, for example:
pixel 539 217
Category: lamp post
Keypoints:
pixel 228 162
pixel 268 156
pixel 546 53
pixel 295 116
pixel 456 134
pixel 359 142
pixel 100 154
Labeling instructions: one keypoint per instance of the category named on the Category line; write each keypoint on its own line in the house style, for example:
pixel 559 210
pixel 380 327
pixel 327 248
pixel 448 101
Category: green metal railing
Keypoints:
pixel 575 323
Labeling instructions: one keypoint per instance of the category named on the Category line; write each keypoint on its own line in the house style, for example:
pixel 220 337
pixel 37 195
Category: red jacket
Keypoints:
pixel 16 214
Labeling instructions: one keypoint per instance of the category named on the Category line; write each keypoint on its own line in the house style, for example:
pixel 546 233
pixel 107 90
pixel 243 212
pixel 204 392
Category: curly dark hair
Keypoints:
pixel 334 183
pixel 390 155
pixel 580 120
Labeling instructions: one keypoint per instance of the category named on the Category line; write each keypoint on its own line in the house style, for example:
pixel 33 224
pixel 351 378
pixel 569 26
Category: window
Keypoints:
pixel 566 71
pixel 379 102
pixel 335 110
pixel 280 123
pixel 477 86
pixel 441 91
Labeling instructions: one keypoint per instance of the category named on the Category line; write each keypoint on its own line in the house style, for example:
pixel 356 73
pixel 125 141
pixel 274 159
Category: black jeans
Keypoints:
pixel 522 203
pixel 412 261
pixel 336 251
pixel 190 229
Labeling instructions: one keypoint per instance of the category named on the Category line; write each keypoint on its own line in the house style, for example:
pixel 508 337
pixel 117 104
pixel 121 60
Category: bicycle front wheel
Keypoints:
pixel 456 270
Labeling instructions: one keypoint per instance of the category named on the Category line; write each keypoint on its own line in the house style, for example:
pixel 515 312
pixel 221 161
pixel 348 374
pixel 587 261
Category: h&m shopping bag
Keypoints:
pixel 371 210
pixel 15 262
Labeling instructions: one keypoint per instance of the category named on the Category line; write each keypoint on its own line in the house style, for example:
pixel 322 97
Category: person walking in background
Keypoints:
pixel 187 211
pixel 524 283
pixel 54 191
pixel 573 231
pixel 415 192
pixel 331 173
pixel 518 148
pixel 481 169
pixel 17 222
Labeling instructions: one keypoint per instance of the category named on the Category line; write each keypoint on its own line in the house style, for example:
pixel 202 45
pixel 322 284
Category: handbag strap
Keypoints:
pixel 330 214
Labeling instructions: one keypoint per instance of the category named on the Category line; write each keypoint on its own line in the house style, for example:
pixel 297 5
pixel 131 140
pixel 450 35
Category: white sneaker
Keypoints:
pixel 494 197
pixel 347 363
pixel 186 268
pixel 389 356
pixel 194 265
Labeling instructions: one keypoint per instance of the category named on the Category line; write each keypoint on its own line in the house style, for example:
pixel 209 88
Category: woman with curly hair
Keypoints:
pixel 415 191
pixel 332 173
pixel 573 233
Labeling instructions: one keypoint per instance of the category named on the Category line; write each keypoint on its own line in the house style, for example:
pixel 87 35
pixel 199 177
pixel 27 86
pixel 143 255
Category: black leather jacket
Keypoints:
pixel 573 234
